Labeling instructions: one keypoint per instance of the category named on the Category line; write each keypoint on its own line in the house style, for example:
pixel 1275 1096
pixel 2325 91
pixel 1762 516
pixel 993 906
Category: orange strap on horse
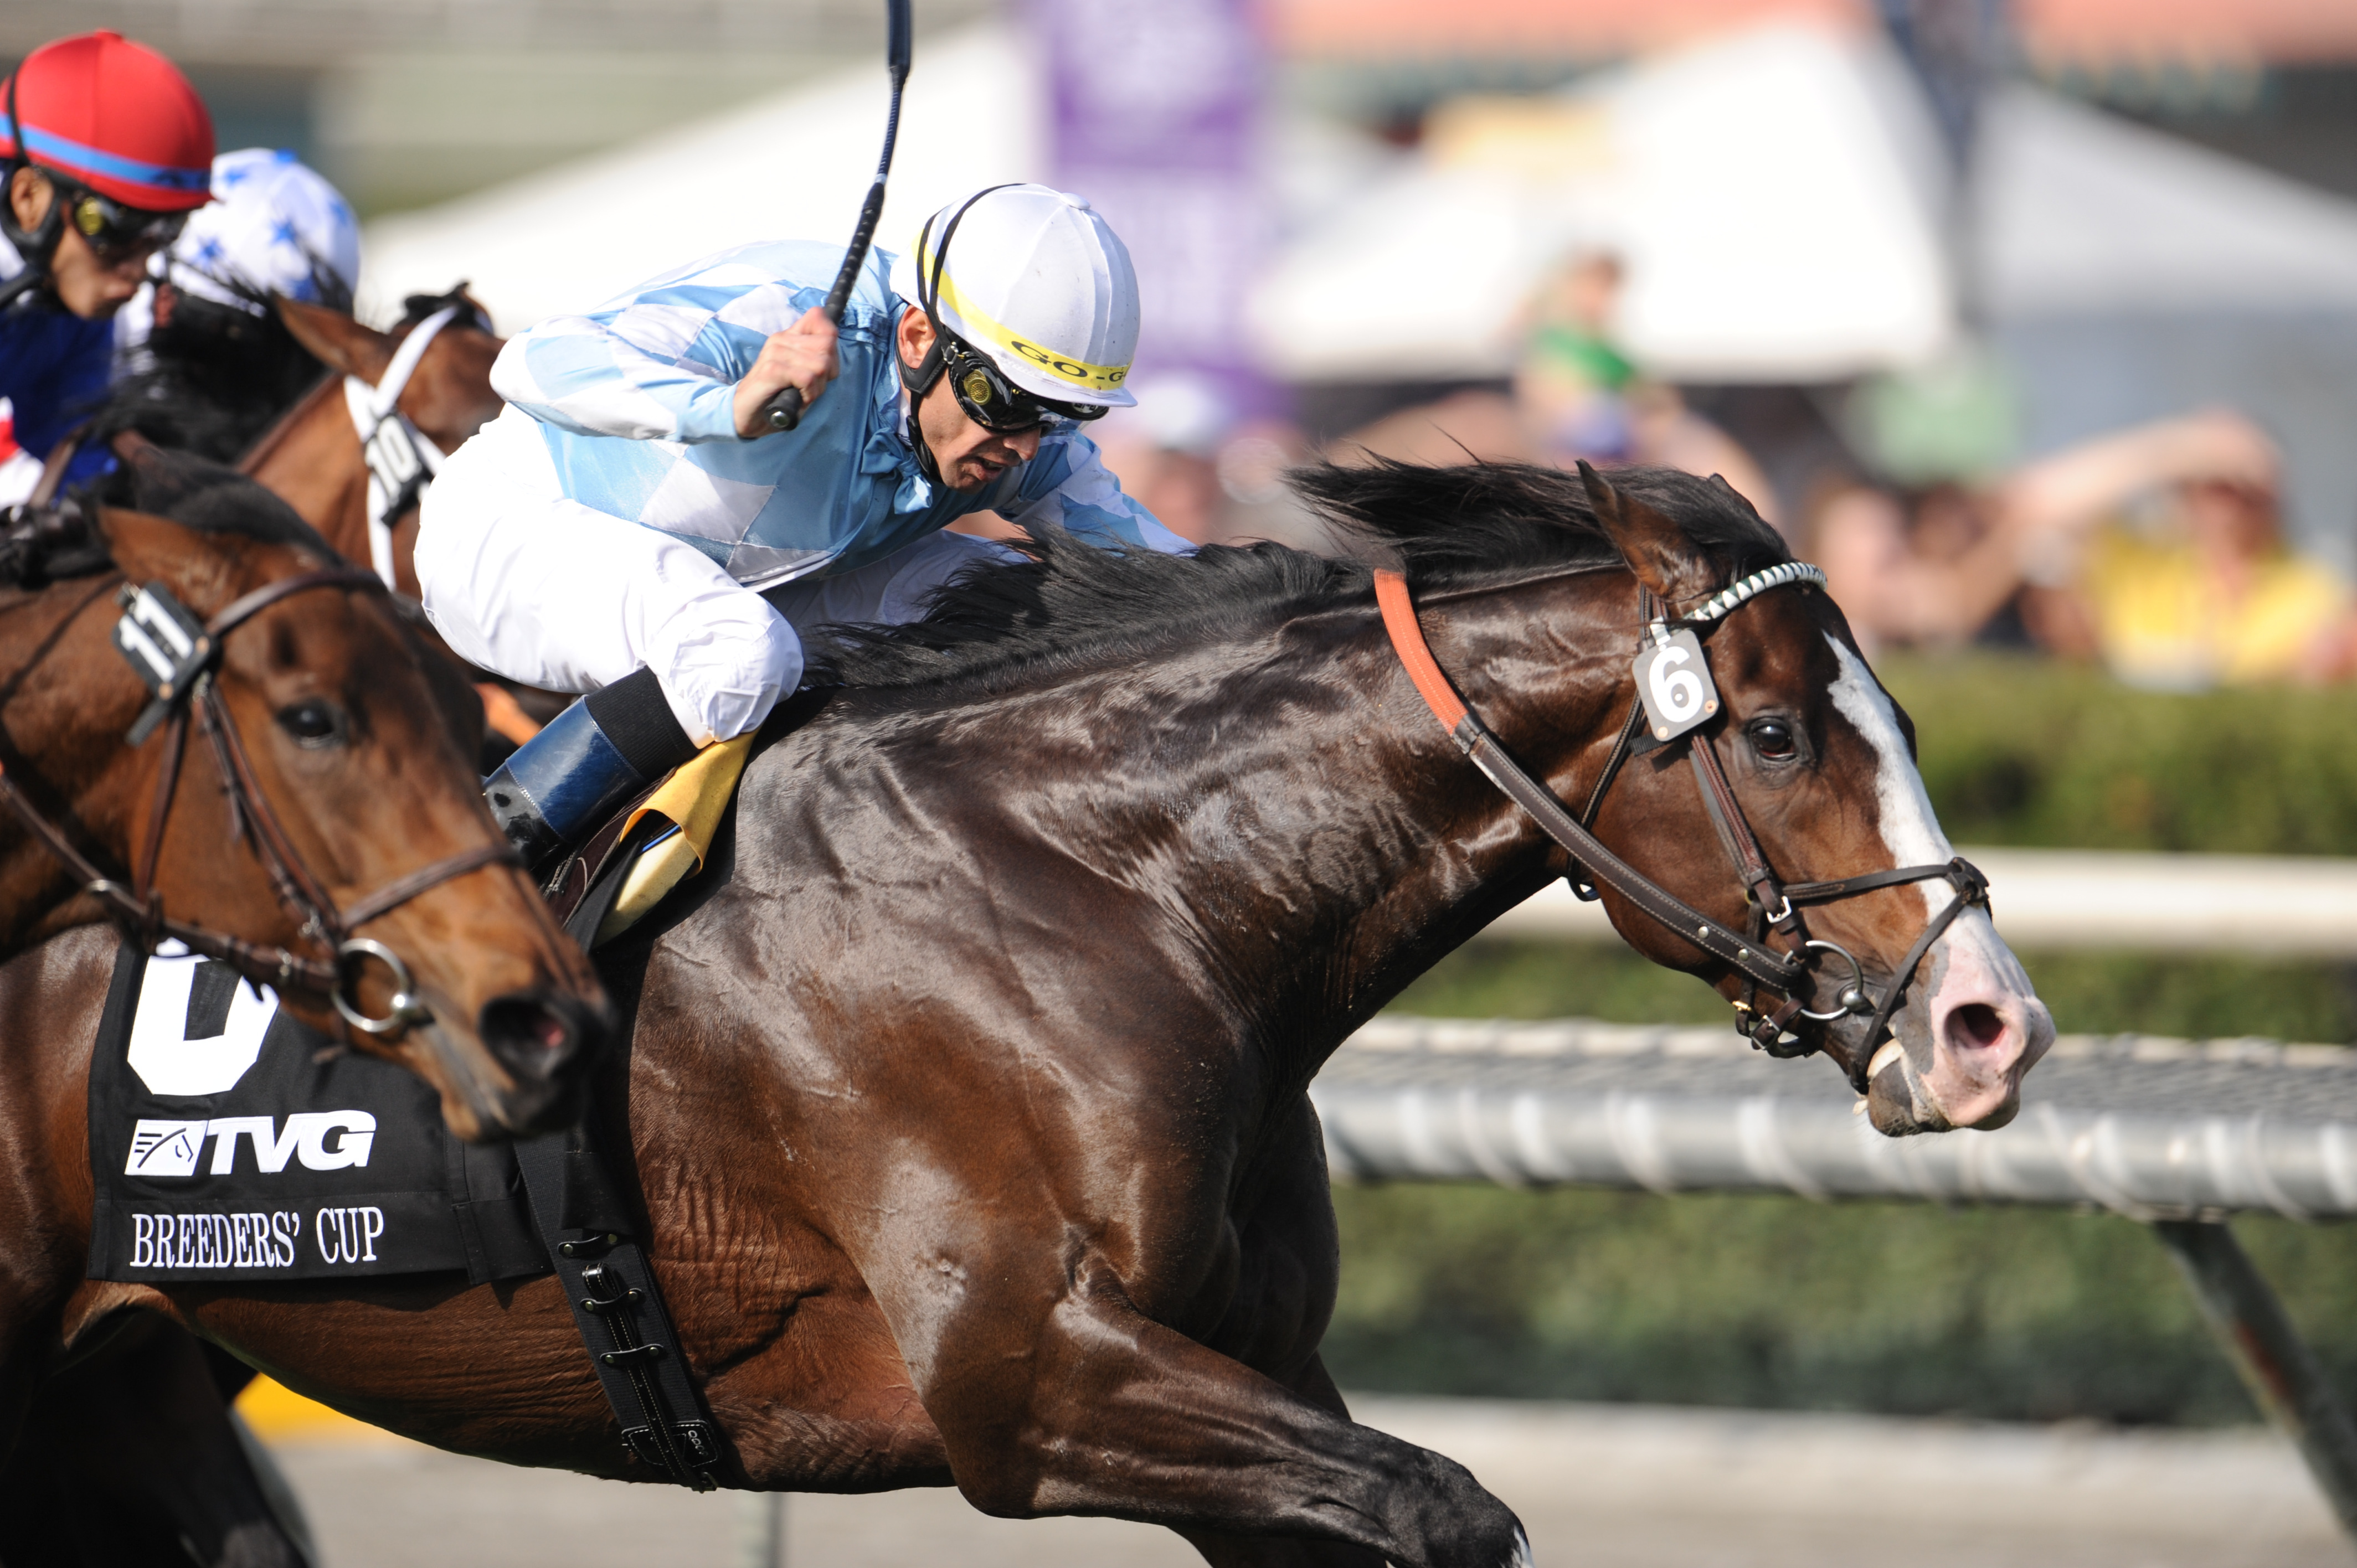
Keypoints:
pixel 1414 653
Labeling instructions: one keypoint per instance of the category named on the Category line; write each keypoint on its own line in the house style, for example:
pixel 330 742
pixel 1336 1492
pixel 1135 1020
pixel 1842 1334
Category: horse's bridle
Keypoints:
pixel 1775 906
pixel 140 909
pixel 402 463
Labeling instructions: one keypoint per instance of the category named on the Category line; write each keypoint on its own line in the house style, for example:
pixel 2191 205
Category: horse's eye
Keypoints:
pixel 1772 740
pixel 313 721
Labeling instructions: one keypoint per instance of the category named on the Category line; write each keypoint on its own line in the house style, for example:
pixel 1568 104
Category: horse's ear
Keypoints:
pixel 1656 548
pixel 151 549
pixel 337 340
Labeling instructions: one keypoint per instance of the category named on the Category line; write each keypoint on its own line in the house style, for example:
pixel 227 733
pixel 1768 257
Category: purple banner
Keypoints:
pixel 1155 115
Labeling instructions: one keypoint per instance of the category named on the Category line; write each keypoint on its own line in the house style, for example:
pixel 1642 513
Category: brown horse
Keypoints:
pixel 967 1099
pixel 312 456
pixel 319 788
pixel 310 452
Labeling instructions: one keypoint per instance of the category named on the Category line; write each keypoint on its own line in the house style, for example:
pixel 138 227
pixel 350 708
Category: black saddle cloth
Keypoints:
pixel 229 1140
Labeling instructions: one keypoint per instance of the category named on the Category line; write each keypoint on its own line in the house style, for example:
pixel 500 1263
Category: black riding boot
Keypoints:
pixel 560 786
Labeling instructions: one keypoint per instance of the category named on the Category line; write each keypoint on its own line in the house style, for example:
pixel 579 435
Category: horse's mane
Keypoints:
pixel 63 540
pixel 217 377
pixel 417 307
pixel 212 497
pixel 1070 604
pixel 210 381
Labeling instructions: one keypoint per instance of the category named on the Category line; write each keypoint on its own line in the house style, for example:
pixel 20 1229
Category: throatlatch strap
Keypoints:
pixel 1482 749
pixel 632 1346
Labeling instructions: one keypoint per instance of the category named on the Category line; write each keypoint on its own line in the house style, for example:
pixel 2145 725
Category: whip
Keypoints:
pixel 784 410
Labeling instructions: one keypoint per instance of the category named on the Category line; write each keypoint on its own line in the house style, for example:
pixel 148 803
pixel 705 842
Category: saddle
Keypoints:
pixel 661 837
pixel 649 847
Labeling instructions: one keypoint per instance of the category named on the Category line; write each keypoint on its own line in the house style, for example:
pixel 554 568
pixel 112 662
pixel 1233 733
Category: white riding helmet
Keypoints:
pixel 1036 282
pixel 273 226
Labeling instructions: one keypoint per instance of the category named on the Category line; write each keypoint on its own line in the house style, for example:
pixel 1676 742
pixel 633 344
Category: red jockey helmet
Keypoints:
pixel 113 115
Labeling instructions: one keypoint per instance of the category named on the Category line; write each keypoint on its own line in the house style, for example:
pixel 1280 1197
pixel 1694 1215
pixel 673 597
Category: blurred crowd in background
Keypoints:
pixel 2034 322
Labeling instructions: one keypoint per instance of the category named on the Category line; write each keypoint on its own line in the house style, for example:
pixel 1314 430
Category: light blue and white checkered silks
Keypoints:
pixel 636 401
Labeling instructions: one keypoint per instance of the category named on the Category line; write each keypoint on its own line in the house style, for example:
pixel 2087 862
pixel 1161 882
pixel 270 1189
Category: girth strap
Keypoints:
pixel 1474 738
pixel 619 1310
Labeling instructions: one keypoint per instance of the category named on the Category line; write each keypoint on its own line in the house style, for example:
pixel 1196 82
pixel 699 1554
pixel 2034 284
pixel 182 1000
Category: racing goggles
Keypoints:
pixel 993 402
pixel 116 232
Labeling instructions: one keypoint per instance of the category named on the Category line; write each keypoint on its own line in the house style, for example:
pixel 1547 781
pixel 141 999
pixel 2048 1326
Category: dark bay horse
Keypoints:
pixel 323 759
pixel 966 1098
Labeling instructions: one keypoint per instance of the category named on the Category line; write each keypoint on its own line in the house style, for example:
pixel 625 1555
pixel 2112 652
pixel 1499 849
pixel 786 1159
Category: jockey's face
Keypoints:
pixel 89 286
pixel 969 455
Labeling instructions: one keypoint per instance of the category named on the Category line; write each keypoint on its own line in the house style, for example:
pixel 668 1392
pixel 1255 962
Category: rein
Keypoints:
pixel 140 909
pixel 1775 907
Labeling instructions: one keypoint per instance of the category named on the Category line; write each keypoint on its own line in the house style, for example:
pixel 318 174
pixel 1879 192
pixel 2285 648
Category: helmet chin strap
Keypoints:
pixel 37 248
pixel 917 382
pixel 918 379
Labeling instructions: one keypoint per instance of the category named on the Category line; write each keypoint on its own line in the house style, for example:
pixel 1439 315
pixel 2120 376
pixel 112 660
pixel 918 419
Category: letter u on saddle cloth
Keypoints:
pixel 1775 907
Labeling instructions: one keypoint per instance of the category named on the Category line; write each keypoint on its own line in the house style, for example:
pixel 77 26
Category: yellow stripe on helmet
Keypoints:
pixel 1077 373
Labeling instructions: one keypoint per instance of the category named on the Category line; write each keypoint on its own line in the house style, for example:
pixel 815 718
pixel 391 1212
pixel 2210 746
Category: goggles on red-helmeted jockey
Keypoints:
pixel 116 232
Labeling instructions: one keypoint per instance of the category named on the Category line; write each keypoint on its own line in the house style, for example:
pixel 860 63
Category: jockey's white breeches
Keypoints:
pixel 522 581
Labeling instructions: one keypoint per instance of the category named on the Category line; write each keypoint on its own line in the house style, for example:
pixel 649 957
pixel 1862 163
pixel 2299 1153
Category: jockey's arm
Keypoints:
pixel 54 370
pixel 628 372
pixel 1069 486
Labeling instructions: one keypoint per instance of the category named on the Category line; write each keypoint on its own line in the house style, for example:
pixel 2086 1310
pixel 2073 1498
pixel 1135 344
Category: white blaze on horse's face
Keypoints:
pixel 1985 1026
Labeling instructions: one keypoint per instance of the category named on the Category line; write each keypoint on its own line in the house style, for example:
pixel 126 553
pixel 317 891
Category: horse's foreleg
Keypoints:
pixel 129 1456
pixel 1280 1552
pixel 1092 1407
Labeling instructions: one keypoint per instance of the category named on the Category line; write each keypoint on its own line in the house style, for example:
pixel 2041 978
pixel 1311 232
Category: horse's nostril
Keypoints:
pixel 1976 1024
pixel 527 1035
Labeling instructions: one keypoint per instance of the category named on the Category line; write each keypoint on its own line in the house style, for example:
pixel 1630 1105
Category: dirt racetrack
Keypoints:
pixel 1602 1487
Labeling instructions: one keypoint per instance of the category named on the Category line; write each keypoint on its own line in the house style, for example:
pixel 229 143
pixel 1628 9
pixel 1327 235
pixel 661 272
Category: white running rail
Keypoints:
pixel 2276 906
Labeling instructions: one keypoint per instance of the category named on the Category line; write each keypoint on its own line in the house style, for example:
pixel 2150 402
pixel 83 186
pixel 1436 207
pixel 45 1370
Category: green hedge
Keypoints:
pixel 1760 1301
pixel 1773 1302
pixel 2021 751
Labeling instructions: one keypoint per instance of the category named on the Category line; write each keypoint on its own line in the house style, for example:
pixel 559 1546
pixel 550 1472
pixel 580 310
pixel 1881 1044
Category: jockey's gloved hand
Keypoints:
pixel 801 356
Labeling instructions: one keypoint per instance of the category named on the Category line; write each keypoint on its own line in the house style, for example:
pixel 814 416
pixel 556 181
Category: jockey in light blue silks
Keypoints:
pixel 629 527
